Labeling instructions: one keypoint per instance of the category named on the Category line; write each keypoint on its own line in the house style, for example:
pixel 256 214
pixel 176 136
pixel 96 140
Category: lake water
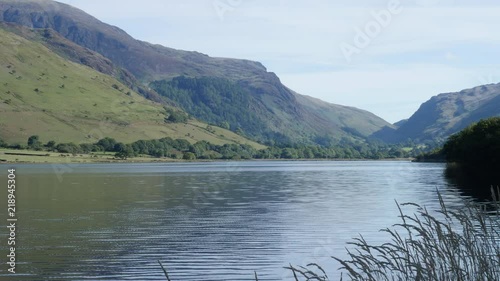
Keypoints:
pixel 205 221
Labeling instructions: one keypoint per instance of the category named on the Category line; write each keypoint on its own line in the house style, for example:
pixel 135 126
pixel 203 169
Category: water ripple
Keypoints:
pixel 209 221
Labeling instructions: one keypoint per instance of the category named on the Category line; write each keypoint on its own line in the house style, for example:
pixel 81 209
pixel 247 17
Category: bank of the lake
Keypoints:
pixel 12 156
pixel 40 157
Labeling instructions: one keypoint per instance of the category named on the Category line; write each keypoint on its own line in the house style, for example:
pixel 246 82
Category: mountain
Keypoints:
pixel 42 93
pixel 448 113
pixel 270 110
pixel 400 123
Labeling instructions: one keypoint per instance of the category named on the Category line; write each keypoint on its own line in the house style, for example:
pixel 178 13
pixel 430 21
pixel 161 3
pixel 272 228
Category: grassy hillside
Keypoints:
pixel 81 55
pixel 275 112
pixel 44 94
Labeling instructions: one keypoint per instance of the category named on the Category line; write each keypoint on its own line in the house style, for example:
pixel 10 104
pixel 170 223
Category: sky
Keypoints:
pixel 384 56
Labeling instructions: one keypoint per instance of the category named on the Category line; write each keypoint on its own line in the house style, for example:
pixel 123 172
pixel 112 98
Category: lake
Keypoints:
pixel 205 221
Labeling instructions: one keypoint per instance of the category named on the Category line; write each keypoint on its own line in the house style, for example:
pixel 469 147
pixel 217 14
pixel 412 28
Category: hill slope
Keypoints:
pixel 44 94
pixel 276 111
pixel 449 113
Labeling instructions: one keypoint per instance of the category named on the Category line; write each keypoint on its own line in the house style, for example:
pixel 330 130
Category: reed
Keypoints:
pixel 458 245
pixel 455 245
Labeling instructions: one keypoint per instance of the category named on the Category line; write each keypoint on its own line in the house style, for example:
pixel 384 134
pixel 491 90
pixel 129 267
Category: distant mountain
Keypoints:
pixel 271 111
pixel 42 93
pixel 400 123
pixel 447 114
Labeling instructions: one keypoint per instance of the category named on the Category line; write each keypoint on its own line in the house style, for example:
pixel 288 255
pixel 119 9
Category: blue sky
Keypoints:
pixel 385 56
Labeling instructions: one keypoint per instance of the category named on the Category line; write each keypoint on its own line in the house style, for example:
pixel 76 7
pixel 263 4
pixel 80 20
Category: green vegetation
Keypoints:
pixel 285 116
pixel 34 143
pixel 451 245
pixel 176 116
pixel 436 155
pixel 477 146
pixel 473 157
pixel 203 150
pixel 263 108
pixel 90 106
pixel 214 100
pixel 8 155
pixel 267 111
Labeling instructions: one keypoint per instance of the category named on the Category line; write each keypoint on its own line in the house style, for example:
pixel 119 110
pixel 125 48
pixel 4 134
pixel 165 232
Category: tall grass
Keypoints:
pixel 455 245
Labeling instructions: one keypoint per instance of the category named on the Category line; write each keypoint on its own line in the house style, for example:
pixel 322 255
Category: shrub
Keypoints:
pixel 189 156
pixel 68 148
pixel 17 146
pixel 50 144
pixel 176 117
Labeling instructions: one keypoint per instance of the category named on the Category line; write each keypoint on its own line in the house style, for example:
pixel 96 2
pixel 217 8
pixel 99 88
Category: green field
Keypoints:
pixel 29 156
pixel 43 94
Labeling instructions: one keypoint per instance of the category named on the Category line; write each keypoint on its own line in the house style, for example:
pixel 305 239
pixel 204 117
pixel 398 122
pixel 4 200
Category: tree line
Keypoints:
pixel 182 149
pixel 473 158
pixel 477 146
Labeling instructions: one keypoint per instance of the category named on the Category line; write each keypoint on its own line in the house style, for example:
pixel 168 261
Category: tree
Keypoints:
pixel 181 144
pixel 176 116
pixel 107 144
pixel 189 156
pixel 68 148
pixel 123 151
pixel 51 145
pixel 3 143
pixel 225 125
pixel 34 143
pixel 478 144
pixel 119 147
pixel 240 131
pixel 289 153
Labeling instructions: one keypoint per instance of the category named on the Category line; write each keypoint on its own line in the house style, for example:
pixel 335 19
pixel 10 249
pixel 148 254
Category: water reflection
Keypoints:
pixel 209 221
pixel 470 182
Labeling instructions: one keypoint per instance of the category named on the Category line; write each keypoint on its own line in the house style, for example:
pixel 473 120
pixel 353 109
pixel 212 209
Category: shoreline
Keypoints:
pixel 8 157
